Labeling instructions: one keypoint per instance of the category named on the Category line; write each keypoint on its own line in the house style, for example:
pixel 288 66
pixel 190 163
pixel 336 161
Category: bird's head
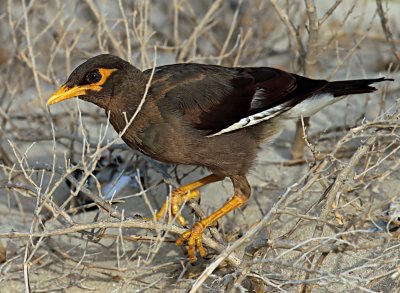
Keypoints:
pixel 94 80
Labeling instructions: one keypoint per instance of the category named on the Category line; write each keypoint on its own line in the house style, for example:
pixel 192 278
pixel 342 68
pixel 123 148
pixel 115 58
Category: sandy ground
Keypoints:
pixel 110 261
pixel 142 265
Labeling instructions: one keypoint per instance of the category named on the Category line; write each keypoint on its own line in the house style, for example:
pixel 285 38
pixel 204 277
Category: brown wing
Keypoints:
pixel 213 97
pixel 283 88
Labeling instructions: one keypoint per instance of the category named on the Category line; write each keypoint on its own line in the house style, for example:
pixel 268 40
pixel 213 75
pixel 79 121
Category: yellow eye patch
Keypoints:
pixel 65 92
pixel 105 73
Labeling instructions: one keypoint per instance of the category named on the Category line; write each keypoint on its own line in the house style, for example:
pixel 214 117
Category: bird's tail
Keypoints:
pixel 350 87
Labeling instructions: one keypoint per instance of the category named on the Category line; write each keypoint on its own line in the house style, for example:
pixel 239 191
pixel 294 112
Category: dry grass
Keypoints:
pixel 322 223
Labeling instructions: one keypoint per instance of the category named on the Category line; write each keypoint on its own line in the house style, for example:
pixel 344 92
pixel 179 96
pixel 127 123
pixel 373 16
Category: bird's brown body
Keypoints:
pixel 171 128
pixel 203 115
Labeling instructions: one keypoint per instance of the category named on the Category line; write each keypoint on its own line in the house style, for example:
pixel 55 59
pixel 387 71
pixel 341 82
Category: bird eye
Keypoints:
pixel 93 77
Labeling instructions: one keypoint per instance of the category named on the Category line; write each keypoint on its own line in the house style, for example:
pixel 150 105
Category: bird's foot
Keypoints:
pixel 194 238
pixel 178 198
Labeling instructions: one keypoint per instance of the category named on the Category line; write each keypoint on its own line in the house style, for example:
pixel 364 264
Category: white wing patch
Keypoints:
pixel 253 119
pixel 311 105
pixel 306 108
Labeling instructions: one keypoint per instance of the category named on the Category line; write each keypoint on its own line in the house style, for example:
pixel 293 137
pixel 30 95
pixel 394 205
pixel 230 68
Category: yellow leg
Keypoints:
pixel 194 235
pixel 182 194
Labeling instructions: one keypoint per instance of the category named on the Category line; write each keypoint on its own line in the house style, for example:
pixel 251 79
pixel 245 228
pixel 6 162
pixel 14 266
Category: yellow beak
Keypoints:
pixel 65 93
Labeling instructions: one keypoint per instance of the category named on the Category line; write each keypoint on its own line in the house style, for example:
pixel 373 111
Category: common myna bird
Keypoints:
pixel 205 115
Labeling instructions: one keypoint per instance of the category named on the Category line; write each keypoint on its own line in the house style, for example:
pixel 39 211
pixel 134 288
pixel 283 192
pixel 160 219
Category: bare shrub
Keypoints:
pixel 327 221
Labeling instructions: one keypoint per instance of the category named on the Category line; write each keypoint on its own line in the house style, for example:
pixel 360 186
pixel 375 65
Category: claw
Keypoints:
pixel 183 194
pixel 177 199
pixel 194 238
